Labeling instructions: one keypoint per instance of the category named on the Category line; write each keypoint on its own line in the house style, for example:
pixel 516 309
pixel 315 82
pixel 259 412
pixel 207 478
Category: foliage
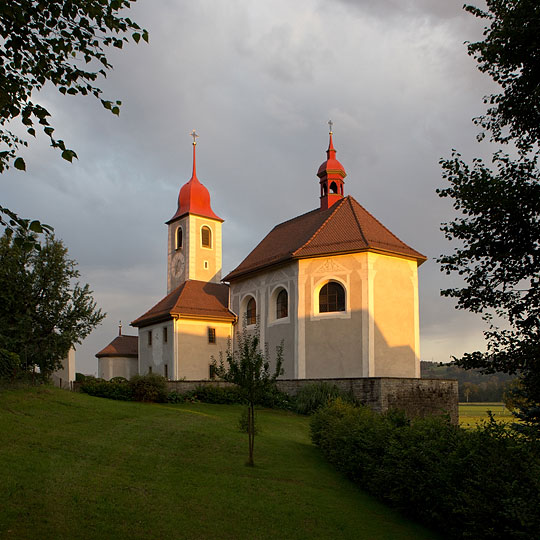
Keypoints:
pixel 499 228
pixel 150 387
pixel 273 398
pixel 60 43
pixel 214 394
pixel 473 385
pixel 313 396
pixel 249 368
pixel 42 313
pixel 514 397
pixel 120 390
pixel 243 422
pixel 481 483
pixel 509 55
pixel 9 364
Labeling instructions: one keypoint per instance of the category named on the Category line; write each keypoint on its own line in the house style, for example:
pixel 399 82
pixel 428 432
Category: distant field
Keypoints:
pixel 471 414
pixel 75 466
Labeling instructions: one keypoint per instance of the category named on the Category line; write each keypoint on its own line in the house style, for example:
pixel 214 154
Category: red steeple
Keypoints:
pixel 331 174
pixel 194 198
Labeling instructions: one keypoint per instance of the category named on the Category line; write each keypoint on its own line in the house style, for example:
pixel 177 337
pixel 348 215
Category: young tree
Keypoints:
pixel 249 368
pixel 499 228
pixel 60 42
pixel 42 312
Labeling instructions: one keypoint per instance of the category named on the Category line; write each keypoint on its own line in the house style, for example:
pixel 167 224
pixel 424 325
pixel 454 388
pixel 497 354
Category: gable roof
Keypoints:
pixel 345 227
pixel 192 299
pixel 121 346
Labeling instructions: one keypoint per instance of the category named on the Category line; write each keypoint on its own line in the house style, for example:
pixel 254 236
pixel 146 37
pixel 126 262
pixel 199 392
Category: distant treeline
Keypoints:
pixel 473 385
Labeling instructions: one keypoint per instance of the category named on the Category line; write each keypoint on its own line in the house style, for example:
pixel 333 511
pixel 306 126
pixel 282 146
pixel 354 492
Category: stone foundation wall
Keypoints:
pixel 417 397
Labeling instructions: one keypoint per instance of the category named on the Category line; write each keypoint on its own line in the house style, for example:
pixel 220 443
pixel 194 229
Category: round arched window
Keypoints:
pixel 282 304
pixel 179 238
pixel 251 311
pixel 206 237
pixel 331 298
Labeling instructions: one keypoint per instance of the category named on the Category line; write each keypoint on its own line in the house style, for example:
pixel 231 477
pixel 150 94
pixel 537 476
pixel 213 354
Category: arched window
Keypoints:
pixel 206 237
pixel 251 311
pixel 324 190
pixel 331 298
pixel 282 304
pixel 179 238
pixel 333 187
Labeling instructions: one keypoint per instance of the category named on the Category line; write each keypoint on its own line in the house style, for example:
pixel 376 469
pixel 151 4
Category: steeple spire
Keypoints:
pixel 194 171
pixel 194 198
pixel 331 174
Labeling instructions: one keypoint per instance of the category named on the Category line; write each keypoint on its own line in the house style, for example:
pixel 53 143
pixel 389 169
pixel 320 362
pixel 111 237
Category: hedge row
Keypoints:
pixel 482 483
pixel 149 387
pixel 153 387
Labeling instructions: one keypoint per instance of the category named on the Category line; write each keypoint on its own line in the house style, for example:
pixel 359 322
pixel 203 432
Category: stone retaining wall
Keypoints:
pixel 417 397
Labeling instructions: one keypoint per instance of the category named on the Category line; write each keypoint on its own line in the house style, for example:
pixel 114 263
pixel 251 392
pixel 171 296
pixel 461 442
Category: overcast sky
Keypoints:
pixel 259 82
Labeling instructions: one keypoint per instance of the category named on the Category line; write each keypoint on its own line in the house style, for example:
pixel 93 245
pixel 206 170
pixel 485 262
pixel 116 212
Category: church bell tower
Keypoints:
pixel 331 174
pixel 194 240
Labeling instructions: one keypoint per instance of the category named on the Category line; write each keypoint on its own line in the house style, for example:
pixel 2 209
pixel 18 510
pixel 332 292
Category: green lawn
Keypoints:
pixel 74 466
pixel 471 414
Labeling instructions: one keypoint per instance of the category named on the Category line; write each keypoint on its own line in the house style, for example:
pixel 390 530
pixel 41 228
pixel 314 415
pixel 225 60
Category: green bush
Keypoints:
pixel 313 396
pixel 176 397
pixel 228 395
pixel 225 395
pixel 9 364
pixel 119 390
pixel 151 387
pixel 273 398
pixel 477 484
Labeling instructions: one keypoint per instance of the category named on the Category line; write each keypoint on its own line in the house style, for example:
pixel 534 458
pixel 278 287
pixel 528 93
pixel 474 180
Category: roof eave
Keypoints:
pixel 142 322
pixel 117 355
pixel 191 316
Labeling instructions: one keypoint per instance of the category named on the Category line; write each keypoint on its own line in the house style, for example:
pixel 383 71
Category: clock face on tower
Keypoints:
pixel 177 265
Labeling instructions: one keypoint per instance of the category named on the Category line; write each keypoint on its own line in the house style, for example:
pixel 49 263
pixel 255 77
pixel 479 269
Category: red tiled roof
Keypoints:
pixel 192 298
pixel 121 346
pixel 343 228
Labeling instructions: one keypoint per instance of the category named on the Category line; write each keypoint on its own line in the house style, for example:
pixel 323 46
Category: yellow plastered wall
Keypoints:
pixel 193 353
pixel 395 313
pixel 204 264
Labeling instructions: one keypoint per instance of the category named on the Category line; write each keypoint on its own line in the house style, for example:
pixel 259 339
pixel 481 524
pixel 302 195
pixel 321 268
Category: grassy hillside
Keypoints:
pixel 74 466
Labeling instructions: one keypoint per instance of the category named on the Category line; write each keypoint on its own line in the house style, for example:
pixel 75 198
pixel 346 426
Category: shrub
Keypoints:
pixel 9 364
pixel 475 484
pixel 119 390
pixel 176 397
pixel 225 395
pixel 275 399
pixel 313 396
pixel 150 387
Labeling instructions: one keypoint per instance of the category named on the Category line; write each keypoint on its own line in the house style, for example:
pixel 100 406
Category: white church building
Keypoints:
pixel 334 284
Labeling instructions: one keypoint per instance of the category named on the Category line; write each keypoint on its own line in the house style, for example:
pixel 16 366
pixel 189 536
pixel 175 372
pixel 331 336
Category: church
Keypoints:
pixel 334 285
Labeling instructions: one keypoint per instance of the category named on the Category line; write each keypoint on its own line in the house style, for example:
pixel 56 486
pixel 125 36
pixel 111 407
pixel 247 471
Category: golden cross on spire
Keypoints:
pixel 194 135
pixel 330 123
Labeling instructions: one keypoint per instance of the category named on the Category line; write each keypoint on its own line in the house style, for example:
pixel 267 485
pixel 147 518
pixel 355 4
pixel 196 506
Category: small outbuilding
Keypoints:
pixel 120 358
